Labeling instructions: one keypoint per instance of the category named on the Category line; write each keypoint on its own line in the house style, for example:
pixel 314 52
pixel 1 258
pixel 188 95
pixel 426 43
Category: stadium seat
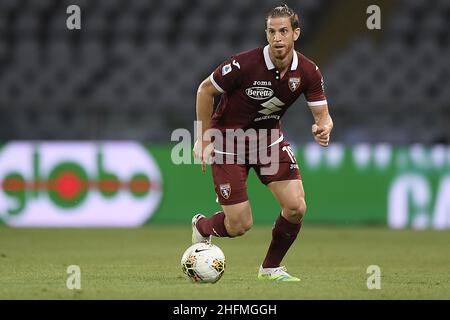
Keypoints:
pixel 134 57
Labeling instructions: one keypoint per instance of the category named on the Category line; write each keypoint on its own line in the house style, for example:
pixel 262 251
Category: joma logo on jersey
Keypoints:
pixel 259 93
pixel 262 83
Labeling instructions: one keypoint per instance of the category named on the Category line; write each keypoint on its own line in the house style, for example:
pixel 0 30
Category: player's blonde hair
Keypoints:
pixel 284 11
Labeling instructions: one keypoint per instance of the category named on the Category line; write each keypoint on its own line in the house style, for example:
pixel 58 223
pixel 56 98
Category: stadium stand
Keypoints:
pixel 132 71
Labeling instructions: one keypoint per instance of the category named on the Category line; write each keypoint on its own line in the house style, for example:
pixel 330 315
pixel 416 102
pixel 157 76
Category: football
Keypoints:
pixel 203 262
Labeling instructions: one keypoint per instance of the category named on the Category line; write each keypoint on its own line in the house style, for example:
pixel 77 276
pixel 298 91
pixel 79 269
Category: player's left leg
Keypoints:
pixel 286 185
pixel 290 195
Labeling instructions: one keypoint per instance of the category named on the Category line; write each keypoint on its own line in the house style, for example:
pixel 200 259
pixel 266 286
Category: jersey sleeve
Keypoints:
pixel 227 76
pixel 315 91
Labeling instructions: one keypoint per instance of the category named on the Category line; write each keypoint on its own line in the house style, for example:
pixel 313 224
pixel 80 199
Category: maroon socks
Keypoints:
pixel 283 235
pixel 213 225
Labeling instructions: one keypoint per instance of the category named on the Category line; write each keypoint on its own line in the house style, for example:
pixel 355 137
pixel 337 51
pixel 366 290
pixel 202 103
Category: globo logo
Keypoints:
pixel 79 184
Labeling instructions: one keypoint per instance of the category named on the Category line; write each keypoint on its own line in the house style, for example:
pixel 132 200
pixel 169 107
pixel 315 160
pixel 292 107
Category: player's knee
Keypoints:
pixel 247 225
pixel 239 228
pixel 296 210
pixel 237 232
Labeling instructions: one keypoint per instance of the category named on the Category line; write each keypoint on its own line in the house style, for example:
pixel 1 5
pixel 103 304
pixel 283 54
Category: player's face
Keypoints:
pixel 281 36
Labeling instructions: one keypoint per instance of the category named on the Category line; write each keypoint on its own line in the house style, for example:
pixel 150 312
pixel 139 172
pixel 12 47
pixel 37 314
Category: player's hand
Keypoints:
pixel 321 134
pixel 203 151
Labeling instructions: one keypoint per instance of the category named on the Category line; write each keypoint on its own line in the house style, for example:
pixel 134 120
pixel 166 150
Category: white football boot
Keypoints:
pixel 196 235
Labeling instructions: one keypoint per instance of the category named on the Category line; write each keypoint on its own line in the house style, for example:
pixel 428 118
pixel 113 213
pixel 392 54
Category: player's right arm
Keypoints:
pixel 225 78
pixel 204 109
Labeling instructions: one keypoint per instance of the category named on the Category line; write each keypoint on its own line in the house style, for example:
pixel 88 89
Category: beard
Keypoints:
pixel 282 52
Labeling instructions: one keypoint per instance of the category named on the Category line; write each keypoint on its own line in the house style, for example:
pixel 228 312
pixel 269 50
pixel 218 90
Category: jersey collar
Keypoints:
pixel 269 63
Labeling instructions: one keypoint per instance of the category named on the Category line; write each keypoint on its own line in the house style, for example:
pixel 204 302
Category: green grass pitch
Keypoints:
pixel 144 263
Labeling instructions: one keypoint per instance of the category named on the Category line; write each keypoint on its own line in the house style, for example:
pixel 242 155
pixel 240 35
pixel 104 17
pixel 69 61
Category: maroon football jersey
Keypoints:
pixel 254 96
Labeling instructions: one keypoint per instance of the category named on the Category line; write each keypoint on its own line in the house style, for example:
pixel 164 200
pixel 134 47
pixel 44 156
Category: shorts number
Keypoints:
pixel 290 153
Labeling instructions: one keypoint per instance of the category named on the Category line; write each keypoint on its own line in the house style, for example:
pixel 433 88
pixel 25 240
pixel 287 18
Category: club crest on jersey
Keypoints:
pixel 225 190
pixel 294 83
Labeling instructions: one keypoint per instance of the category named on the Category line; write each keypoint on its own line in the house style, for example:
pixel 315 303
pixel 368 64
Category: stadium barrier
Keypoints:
pixel 128 184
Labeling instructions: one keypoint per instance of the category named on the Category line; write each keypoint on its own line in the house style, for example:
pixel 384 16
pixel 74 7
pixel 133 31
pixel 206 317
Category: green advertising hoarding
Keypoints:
pixel 127 184
pixel 78 184
pixel 362 184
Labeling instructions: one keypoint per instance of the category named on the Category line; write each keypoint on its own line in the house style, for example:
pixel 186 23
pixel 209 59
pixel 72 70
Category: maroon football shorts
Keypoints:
pixel 230 180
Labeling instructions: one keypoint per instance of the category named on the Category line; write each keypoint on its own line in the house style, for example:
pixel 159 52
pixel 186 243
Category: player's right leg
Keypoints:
pixel 235 220
pixel 196 235
pixel 236 217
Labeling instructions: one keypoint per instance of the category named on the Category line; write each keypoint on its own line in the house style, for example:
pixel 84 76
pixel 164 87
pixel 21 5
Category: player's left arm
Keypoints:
pixel 323 124
pixel 317 103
